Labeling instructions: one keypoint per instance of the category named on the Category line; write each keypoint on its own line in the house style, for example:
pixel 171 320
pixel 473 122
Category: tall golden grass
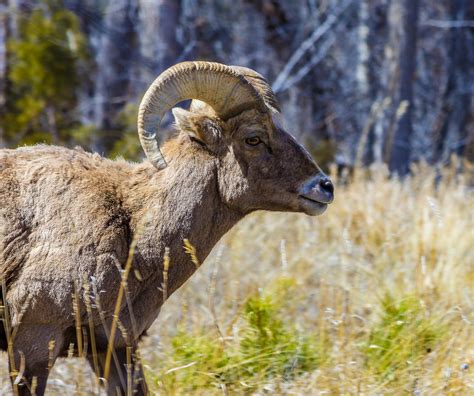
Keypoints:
pixel 374 297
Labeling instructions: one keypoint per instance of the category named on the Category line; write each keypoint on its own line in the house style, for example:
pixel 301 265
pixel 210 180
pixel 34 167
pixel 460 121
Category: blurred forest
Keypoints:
pixel 377 297
pixel 359 81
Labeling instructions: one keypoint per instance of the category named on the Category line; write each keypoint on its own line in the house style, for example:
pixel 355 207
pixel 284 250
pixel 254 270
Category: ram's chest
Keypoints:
pixel 140 306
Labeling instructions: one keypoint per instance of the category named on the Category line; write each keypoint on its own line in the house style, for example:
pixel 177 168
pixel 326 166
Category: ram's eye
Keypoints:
pixel 253 141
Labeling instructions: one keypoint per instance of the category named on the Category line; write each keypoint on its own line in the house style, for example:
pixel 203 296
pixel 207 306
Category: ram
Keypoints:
pixel 70 221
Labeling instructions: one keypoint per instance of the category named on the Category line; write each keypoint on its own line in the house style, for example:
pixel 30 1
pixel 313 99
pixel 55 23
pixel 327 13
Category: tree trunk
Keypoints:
pixel 452 136
pixel 3 66
pixel 115 55
pixel 52 125
pixel 159 21
pixel 406 31
pixel 364 149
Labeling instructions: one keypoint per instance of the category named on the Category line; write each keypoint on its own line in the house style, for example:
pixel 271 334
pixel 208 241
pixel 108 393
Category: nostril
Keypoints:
pixel 327 185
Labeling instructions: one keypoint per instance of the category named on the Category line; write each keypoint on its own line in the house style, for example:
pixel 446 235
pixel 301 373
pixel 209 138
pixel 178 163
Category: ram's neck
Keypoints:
pixel 175 204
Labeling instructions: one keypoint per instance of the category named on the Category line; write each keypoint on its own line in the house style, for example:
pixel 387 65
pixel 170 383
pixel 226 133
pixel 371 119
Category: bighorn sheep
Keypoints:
pixel 68 218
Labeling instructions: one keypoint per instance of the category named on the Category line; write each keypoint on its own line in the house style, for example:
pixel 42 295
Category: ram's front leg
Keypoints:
pixel 126 372
pixel 35 349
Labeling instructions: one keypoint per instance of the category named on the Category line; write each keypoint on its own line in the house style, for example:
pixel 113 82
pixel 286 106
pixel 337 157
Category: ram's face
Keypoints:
pixel 261 166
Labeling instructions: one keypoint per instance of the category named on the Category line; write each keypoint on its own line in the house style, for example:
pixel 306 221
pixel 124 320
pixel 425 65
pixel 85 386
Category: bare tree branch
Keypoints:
pixel 443 24
pixel 307 44
pixel 315 59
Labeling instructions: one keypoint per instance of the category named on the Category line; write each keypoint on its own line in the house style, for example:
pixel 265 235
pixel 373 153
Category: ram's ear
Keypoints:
pixel 199 127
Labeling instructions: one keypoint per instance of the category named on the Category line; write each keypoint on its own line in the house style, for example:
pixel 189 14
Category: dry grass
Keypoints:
pixel 374 297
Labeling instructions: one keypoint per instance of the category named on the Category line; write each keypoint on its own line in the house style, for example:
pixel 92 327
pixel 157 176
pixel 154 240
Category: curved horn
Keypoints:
pixel 224 88
pixel 261 85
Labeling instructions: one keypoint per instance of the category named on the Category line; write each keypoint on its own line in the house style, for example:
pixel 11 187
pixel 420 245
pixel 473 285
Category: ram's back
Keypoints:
pixel 61 219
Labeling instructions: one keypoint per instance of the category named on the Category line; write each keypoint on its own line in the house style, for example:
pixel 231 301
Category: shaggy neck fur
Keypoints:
pixel 187 202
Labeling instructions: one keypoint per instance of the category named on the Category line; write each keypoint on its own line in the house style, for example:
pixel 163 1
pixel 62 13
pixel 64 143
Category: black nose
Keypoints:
pixel 323 188
pixel 326 185
pixel 319 188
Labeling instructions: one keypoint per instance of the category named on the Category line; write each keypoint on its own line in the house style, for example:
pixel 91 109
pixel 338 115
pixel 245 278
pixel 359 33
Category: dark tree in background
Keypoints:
pixel 404 29
pixel 458 94
pixel 115 51
pixel 359 81
pixel 3 66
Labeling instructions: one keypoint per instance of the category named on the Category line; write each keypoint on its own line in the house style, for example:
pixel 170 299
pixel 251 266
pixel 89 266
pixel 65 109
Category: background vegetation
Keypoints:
pixel 384 81
pixel 374 297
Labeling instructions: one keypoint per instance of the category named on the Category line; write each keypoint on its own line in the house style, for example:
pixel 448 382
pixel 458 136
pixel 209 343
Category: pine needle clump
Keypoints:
pixel 264 348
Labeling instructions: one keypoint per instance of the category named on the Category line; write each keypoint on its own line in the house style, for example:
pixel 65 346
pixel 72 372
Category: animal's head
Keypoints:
pixel 235 118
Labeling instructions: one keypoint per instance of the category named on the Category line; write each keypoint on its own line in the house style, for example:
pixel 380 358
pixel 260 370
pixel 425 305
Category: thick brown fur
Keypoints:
pixel 68 217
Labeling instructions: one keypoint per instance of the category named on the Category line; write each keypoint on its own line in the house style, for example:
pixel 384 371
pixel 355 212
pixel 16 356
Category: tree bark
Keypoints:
pixel 3 66
pixel 453 136
pixel 406 31
pixel 159 21
pixel 114 56
pixel 364 149
pixel 52 125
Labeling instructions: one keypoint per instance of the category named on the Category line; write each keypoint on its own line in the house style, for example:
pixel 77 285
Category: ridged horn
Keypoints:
pixel 261 85
pixel 228 90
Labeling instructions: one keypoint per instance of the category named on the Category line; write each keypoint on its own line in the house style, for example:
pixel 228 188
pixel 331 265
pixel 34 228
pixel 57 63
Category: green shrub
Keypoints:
pixel 272 348
pixel 267 347
pixel 401 338
pixel 44 72
pixel 206 357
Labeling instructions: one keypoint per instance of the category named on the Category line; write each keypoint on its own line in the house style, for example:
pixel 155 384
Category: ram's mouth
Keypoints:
pixel 311 206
